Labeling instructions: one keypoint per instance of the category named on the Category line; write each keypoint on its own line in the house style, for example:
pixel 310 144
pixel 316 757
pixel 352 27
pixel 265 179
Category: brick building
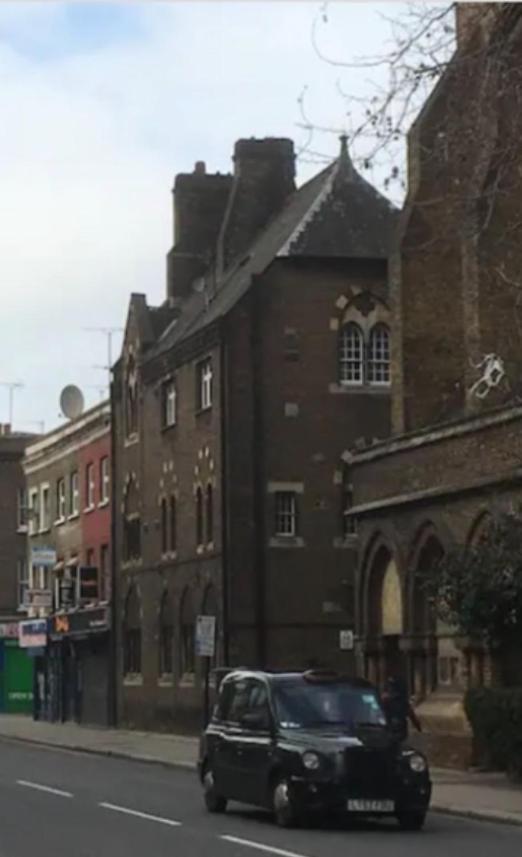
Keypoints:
pixel 454 457
pixel 69 534
pixel 16 684
pixel 232 405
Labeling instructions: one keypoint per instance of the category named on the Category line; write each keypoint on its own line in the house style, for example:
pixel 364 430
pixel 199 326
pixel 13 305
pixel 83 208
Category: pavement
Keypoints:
pixel 482 796
pixel 61 802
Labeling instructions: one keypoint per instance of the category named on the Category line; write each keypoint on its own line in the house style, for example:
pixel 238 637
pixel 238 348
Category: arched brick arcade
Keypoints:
pixel 398 631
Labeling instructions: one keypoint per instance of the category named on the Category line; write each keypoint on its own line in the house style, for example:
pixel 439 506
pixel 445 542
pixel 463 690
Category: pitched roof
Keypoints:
pixel 337 213
pixel 350 218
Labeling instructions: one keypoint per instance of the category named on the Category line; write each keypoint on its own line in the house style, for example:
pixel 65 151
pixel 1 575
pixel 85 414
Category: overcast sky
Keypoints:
pixel 101 105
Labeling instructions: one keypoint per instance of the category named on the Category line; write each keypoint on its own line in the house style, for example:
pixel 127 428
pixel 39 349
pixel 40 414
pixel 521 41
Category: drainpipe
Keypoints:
pixel 113 661
pixel 258 453
pixel 225 532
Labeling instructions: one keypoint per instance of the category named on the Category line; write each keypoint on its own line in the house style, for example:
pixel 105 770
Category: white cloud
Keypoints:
pixel 91 141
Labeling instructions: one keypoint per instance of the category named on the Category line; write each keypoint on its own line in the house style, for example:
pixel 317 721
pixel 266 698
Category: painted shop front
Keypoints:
pixel 78 667
pixel 16 672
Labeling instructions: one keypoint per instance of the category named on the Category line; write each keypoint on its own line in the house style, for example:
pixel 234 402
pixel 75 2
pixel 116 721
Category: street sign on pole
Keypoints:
pixel 205 636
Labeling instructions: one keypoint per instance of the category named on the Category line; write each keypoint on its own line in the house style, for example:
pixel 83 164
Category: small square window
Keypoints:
pixel 285 513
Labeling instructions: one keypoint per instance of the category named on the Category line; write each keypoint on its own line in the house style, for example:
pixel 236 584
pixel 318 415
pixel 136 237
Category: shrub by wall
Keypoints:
pixel 495 715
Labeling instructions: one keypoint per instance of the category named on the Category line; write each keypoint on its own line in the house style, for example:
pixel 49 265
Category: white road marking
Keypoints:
pixel 40 788
pixel 260 847
pixel 115 808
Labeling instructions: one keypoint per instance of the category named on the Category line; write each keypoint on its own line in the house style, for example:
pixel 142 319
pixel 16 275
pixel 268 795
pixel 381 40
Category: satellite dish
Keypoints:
pixel 71 401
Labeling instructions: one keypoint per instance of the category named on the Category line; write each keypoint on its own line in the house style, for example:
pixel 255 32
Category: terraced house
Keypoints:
pixel 233 403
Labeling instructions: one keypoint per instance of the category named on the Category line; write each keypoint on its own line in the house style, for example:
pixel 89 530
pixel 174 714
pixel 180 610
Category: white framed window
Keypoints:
pixel 285 513
pixel 74 494
pixel 90 486
pixel 23 583
pixel 61 507
pixel 34 511
pixel 45 508
pixel 351 355
pixel 169 403
pixel 204 375
pixel 21 510
pixel 379 355
pixel 105 480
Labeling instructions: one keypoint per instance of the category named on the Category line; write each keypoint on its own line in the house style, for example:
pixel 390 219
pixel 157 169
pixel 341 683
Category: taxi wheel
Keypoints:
pixel 285 812
pixel 411 820
pixel 214 802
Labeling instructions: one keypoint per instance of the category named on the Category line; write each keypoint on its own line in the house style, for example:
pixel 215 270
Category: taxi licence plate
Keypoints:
pixel 370 806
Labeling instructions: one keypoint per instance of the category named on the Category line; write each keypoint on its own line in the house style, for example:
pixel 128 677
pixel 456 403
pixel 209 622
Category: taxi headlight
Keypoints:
pixel 417 763
pixel 311 761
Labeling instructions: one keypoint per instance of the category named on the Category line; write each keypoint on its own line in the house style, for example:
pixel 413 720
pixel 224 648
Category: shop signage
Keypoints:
pixel 205 636
pixel 80 622
pixel 40 598
pixel 9 630
pixel 43 556
pixel 32 633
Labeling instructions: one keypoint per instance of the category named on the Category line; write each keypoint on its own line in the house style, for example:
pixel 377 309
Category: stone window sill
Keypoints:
pixel 131 440
pixel 166 680
pixel 360 389
pixel 131 563
pixel 103 504
pixel 350 541
pixel 286 542
pixel 132 680
pixel 187 680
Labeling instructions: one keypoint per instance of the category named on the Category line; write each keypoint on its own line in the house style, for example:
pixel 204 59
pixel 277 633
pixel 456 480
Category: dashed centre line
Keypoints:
pixel 41 788
pixel 126 811
pixel 248 843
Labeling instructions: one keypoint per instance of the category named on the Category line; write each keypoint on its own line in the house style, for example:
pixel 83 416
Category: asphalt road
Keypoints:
pixel 61 804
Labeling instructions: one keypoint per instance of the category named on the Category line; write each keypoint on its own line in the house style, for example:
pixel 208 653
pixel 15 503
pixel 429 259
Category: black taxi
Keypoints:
pixel 298 743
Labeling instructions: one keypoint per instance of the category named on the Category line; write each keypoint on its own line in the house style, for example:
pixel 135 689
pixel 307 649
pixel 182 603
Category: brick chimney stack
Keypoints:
pixel 5 429
pixel 200 201
pixel 264 178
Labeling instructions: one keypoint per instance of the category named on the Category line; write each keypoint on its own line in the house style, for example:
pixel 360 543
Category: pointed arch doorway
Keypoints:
pixel 385 619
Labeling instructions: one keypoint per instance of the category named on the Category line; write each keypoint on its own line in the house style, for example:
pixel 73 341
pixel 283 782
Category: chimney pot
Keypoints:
pixel 200 168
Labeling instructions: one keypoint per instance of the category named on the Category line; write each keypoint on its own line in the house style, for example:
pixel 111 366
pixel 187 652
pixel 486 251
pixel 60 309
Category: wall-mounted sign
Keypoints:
pixel 205 636
pixel 346 640
pixel 32 633
pixel 9 630
pixel 80 622
pixel 43 556
pixel 40 598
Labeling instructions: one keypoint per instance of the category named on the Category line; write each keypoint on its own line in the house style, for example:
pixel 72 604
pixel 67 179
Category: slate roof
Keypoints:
pixel 337 213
